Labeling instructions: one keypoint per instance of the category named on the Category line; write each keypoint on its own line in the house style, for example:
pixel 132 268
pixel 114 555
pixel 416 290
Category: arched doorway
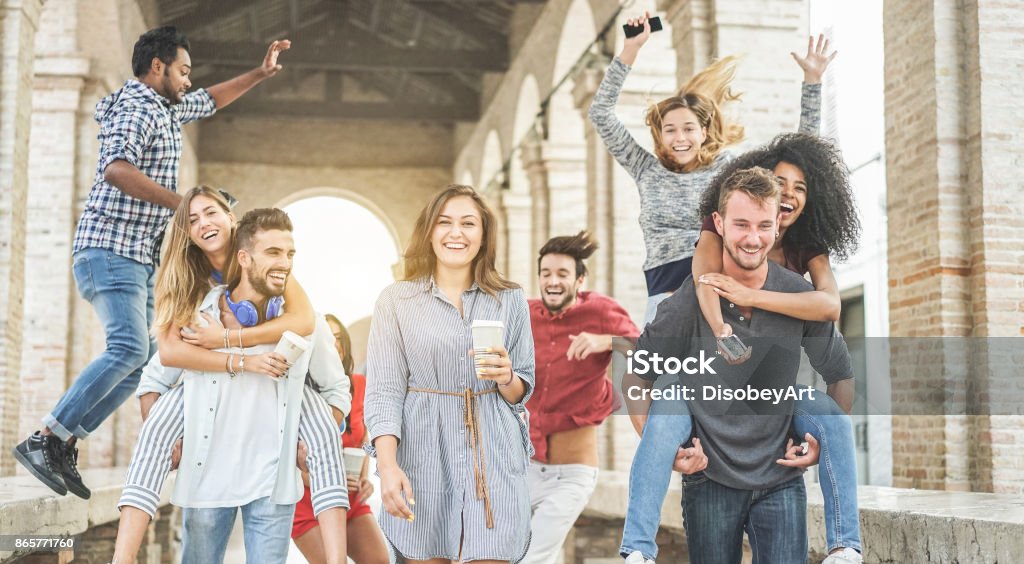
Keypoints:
pixel 346 253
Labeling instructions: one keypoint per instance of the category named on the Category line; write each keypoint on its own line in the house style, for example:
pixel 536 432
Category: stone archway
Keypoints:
pixel 564 152
pixel 519 200
pixel 347 251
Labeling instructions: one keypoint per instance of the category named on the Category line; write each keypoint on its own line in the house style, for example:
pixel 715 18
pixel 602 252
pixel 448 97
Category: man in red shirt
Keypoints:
pixel 574 335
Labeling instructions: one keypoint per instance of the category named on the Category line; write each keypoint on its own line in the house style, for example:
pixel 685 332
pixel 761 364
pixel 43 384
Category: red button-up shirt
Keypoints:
pixel 570 394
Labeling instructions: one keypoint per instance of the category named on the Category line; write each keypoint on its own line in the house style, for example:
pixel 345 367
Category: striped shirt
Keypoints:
pixel 669 200
pixel 419 339
pixel 143 128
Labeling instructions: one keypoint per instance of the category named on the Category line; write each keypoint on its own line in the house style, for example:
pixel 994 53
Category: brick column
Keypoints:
pixel 765 31
pixel 598 163
pixel 955 225
pixel 995 140
pixel 521 256
pixel 48 283
pixel 532 157
pixel 18 23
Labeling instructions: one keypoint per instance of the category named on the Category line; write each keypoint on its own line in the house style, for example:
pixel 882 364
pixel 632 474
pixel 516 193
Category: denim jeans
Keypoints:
pixel 121 292
pixel 652 306
pixel 267 527
pixel 716 516
pixel 669 425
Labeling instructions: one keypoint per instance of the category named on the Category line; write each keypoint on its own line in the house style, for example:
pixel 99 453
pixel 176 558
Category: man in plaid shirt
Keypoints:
pixel 117 241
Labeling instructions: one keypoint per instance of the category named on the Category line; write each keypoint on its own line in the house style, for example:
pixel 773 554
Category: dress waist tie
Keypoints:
pixel 472 423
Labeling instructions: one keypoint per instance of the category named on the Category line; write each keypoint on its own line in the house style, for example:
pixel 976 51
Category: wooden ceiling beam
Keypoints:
pixel 208 13
pixel 337 57
pixel 354 110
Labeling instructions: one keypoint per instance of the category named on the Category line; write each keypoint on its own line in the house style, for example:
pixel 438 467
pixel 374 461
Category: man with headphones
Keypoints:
pixel 240 427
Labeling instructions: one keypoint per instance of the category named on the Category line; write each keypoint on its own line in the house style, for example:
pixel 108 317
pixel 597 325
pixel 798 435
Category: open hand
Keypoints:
pixel 816 60
pixel 727 287
pixel 209 336
pixel 270 66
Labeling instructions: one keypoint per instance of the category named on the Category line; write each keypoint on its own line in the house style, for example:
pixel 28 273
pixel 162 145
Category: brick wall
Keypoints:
pixel 18 22
pixel 953 137
pixel 50 226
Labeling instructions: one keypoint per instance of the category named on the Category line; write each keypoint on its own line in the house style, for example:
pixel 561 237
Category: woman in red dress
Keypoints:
pixel 365 540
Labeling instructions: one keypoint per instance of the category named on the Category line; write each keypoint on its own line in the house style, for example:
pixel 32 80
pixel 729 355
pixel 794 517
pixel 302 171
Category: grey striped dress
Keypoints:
pixel 419 340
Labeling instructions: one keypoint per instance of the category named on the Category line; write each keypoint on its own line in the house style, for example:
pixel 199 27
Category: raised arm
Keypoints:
pixel 814 64
pixel 224 93
pixel 821 304
pixel 622 146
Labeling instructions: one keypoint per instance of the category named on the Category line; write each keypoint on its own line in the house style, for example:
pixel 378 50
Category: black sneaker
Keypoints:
pixel 67 461
pixel 39 455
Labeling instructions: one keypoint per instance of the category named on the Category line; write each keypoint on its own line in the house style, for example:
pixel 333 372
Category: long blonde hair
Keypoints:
pixel 420 259
pixel 704 95
pixel 183 278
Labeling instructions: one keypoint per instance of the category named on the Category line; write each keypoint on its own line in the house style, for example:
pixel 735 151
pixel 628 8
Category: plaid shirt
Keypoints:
pixel 143 128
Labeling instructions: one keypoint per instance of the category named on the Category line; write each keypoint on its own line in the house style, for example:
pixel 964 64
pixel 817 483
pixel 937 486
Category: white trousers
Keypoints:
pixel 558 494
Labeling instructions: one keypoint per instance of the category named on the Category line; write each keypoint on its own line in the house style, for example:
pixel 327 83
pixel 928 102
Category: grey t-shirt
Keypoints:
pixel 743 438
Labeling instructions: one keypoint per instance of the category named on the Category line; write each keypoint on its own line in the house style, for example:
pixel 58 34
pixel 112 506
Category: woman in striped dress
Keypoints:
pixel 450 436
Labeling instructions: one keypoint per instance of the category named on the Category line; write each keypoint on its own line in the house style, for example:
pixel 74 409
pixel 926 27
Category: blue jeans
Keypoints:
pixel 121 292
pixel 267 527
pixel 716 516
pixel 669 425
pixel 652 306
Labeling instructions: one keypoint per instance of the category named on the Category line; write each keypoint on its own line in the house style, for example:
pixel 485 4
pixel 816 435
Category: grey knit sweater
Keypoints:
pixel 669 200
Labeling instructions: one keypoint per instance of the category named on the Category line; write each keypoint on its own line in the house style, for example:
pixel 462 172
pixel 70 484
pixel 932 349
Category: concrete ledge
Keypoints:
pixel 27 507
pixel 902 525
pixel 897 525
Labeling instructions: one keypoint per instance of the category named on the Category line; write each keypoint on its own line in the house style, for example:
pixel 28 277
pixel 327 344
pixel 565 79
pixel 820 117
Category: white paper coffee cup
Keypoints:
pixel 487 334
pixel 353 461
pixel 291 346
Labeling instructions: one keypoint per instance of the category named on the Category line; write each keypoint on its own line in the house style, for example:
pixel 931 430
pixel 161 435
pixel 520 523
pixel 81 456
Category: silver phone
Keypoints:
pixel 732 347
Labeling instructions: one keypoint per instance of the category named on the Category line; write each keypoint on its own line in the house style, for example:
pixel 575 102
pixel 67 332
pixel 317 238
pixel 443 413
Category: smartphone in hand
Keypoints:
pixel 732 347
pixel 634 30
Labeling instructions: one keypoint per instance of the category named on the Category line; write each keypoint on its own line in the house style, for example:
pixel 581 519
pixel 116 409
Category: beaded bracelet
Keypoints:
pixel 241 363
pixel 226 338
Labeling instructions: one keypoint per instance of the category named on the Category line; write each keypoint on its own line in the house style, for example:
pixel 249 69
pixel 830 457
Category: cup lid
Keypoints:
pixel 487 323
